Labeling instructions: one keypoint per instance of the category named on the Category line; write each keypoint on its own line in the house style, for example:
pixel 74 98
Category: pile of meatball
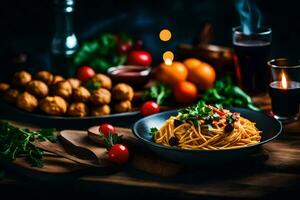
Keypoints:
pixel 54 95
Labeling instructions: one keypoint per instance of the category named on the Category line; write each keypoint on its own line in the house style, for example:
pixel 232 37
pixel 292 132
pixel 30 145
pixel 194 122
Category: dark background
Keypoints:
pixel 28 25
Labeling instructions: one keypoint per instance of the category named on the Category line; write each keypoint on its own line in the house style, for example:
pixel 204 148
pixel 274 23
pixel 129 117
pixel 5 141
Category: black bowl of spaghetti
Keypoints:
pixel 207 134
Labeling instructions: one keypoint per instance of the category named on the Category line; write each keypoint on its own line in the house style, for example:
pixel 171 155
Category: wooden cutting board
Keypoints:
pixel 85 146
pixel 89 143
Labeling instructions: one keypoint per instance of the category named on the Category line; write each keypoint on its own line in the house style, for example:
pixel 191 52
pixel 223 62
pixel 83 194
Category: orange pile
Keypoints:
pixel 187 78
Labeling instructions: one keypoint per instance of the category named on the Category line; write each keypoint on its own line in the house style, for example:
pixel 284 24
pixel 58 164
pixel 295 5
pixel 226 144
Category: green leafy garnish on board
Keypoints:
pixel 225 93
pixel 158 92
pixel 15 142
pixel 111 139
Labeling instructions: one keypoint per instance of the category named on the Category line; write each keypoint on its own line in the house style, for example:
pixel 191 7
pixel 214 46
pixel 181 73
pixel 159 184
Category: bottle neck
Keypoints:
pixel 63 23
pixel 64 40
pixel 63 17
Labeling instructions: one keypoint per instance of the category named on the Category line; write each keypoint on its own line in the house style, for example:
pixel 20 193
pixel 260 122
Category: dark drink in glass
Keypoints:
pixel 252 53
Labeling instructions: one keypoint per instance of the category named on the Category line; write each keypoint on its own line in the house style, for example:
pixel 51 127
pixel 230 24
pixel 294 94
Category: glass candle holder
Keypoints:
pixel 284 90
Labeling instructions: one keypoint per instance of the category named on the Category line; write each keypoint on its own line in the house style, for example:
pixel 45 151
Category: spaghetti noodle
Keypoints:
pixel 207 128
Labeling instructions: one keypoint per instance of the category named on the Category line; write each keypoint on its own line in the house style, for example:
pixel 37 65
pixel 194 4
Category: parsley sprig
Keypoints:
pixel 230 118
pixel 158 92
pixel 200 110
pixel 15 142
pixel 111 139
pixel 196 112
pixel 153 130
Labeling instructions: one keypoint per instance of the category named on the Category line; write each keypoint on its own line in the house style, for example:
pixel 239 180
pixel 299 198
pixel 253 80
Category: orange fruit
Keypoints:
pixel 203 75
pixel 190 63
pixel 172 74
pixel 185 92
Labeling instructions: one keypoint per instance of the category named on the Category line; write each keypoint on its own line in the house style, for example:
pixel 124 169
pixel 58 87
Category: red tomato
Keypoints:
pixel 118 154
pixel 139 57
pixel 149 108
pixel 221 112
pixel 85 72
pixel 105 129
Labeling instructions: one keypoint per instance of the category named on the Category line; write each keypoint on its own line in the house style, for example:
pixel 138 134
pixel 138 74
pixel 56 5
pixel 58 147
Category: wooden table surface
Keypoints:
pixel 276 175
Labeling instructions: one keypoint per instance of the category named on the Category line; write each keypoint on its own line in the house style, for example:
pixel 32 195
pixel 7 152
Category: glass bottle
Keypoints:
pixel 64 42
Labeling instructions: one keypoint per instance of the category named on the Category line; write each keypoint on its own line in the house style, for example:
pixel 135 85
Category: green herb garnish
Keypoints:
pixel 195 112
pixel 196 123
pixel 18 141
pixel 102 53
pixel 111 139
pixel 153 130
pixel 158 92
pixel 219 106
pixel 230 118
pixel 225 93
pixel 216 116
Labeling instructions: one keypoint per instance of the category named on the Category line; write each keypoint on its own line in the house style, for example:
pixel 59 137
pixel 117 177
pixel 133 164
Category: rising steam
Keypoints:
pixel 250 16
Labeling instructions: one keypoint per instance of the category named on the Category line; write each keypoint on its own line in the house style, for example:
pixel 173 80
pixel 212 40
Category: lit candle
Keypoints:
pixel 168 57
pixel 168 61
pixel 283 81
pixel 285 97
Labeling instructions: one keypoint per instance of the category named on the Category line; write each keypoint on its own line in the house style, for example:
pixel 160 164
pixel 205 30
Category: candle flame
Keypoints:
pixel 168 61
pixel 283 81
pixel 168 57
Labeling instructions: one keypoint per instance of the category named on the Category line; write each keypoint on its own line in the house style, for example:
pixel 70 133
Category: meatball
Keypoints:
pixel 75 83
pixel 57 78
pixel 123 106
pixel 100 97
pixel 37 88
pixel 78 109
pixel 44 76
pixel 4 87
pixel 54 105
pixel 81 94
pixel 27 101
pixel 100 111
pixel 104 80
pixel 21 78
pixel 122 92
pixel 63 89
pixel 10 95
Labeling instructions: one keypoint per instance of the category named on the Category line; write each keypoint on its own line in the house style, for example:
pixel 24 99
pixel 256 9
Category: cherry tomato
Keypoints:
pixel 221 112
pixel 105 129
pixel 85 72
pixel 149 108
pixel 118 154
pixel 139 57
pixel 124 47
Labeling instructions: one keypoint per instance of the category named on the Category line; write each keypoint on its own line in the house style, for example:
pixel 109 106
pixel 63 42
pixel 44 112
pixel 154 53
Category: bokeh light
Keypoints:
pixel 165 35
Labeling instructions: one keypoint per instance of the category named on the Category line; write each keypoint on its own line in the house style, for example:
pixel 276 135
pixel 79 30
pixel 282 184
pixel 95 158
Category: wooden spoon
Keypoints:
pixel 58 150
